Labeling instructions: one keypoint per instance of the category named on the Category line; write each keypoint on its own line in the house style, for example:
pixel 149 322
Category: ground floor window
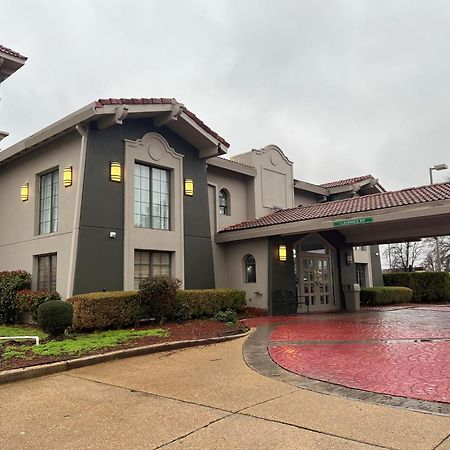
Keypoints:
pixel 250 269
pixel 361 274
pixel 46 272
pixel 148 263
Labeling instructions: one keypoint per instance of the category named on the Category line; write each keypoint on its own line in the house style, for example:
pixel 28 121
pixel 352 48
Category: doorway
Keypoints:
pixel 316 269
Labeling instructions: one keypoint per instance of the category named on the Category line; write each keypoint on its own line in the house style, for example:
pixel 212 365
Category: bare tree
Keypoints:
pixel 430 253
pixel 404 256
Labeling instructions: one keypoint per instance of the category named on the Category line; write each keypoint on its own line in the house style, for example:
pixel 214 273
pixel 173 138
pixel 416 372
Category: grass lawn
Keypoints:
pixel 74 345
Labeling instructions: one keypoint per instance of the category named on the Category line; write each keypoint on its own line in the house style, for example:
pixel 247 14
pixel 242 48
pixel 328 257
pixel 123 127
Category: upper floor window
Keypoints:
pixel 224 202
pixel 48 202
pixel 250 269
pixel 46 273
pixel 151 197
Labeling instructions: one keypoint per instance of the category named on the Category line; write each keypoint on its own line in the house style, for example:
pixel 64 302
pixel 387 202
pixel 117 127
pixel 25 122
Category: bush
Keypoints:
pixel 426 286
pixel 29 301
pixel 386 295
pixel 208 302
pixel 159 294
pixel 10 283
pixel 228 316
pixel 54 317
pixel 106 310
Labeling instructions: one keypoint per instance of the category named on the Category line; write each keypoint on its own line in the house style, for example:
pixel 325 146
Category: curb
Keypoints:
pixel 10 376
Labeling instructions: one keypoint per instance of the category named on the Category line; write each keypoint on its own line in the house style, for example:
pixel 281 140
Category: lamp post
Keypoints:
pixel 438 247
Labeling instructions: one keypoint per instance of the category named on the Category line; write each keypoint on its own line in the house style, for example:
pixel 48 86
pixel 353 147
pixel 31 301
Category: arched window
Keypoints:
pixel 224 202
pixel 250 269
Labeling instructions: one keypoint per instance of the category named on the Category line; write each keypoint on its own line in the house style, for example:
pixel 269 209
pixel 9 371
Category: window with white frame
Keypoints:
pixel 250 269
pixel 151 197
pixel 149 263
pixel 48 202
pixel 46 272
pixel 224 202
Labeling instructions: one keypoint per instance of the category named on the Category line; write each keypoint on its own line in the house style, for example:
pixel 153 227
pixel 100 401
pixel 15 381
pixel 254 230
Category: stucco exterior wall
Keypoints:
pixel 274 182
pixel 304 198
pixel 19 227
pixel 236 186
pixel 154 150
pixel 256 293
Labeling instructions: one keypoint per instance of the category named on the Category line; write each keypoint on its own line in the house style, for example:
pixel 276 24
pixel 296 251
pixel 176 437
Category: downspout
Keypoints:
pixel 77 211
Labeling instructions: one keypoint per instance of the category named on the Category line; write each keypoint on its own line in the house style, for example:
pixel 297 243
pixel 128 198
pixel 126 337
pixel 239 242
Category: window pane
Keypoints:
pixel 46 278
pixel 48 202
pixel 250 269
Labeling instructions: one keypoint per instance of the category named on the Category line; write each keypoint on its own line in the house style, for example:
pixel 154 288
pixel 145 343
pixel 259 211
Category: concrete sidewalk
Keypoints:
pixel 199 398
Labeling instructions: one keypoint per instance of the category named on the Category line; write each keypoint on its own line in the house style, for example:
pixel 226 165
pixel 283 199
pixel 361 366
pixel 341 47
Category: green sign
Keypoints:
pixel 355 221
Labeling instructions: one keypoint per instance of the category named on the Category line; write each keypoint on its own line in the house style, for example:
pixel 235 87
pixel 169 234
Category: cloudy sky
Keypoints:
pixel 344 87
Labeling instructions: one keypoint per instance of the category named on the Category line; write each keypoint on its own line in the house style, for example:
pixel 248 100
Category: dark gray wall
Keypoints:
pixel 377 272
pixel 99 262
pixel 281 273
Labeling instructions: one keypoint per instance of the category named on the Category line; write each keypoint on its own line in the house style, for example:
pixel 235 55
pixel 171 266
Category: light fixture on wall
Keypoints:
pixel 115 171
pixel 24 192
pixel 68 176
pixel 349 258
pixel 282 253
pixel 189 187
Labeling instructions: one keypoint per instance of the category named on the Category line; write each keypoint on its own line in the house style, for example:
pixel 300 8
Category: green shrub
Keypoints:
pixel 228 316
pixel 159 295
pixel 10 283
pixel 29 301
pixel 208 302
pixel 54 316
pixel 106 310
pixel 426 286
pixel 386 295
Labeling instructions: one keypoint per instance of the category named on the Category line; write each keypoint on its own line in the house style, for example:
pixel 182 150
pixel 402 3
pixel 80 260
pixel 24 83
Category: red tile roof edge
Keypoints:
pixel 159 101
pixel 382 200
pixel 8 51
pixel 344 182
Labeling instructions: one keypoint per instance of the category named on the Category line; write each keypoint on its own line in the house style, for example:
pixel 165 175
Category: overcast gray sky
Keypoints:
pixel 344 87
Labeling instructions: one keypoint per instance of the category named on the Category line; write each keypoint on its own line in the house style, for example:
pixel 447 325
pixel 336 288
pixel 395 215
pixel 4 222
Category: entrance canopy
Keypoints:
pixel 404 215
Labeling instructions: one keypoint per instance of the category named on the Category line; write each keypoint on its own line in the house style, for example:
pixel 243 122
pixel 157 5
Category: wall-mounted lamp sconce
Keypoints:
pixel 25 192
pixel 189 187
pixel 115 171
pixel 68 176
pixel 349 258
pixel 112 234
pixel 282 253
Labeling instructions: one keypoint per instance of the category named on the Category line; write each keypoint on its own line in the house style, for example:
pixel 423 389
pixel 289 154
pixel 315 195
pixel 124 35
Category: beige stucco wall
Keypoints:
pixel 19 239
pixel 304 198
pixel 274 183
pixel 154 150
pixel 256 293
pixel 236 185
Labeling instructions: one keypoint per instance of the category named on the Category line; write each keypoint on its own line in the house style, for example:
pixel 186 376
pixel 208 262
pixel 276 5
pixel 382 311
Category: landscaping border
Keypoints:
pixel 26 373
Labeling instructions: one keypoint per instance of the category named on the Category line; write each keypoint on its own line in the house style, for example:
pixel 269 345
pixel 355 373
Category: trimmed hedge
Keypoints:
pixel 54 317
pixel 29 301
pixel 105 310
pixel 208 302
pixel 10 284
pixel 426 286
pixel 385 295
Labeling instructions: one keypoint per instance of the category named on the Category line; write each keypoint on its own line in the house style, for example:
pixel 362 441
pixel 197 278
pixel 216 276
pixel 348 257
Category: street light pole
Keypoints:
pixel 438 246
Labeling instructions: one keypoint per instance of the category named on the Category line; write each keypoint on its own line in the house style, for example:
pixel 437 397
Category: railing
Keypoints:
pixel 14 338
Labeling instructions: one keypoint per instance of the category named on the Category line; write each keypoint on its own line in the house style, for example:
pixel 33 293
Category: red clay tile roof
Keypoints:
pixel 158 101
pixel 8 51
pixel 338 183
pixel 383 200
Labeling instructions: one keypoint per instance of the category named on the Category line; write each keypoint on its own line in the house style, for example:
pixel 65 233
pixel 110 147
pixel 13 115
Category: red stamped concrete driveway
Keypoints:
pixel 396 351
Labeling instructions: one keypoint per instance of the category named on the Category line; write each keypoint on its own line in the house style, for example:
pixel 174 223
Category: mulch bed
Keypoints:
pixel 189 330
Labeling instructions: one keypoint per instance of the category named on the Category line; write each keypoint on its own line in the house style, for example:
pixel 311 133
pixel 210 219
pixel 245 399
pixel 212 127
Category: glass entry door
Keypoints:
pixel 315 275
